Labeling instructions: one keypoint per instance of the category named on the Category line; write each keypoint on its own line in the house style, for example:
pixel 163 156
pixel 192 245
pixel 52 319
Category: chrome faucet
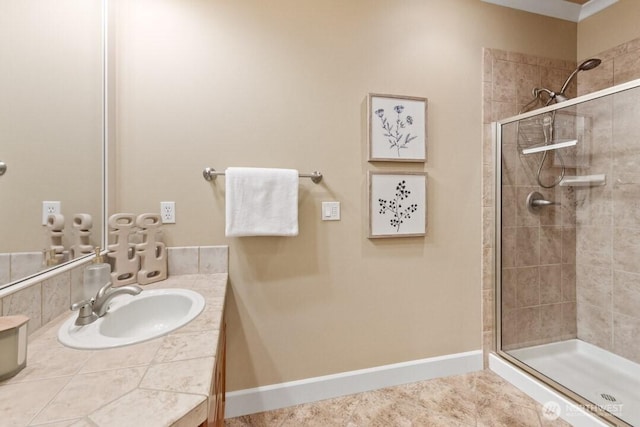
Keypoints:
pixel 107 293
pixel 90 310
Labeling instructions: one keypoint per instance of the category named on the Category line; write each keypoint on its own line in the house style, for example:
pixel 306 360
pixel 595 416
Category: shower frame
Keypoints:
pixel 497 138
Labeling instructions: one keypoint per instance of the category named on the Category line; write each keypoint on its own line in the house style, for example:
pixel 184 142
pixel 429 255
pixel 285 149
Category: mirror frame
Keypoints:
pixel 107 133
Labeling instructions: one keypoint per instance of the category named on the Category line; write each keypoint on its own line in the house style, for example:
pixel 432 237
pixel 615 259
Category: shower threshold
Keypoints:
pixel 608 380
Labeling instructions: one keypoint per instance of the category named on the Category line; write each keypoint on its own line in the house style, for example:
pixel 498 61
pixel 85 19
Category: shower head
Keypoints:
pixel 587 65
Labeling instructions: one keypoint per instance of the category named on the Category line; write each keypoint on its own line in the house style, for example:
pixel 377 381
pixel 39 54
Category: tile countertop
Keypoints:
pixel 162 382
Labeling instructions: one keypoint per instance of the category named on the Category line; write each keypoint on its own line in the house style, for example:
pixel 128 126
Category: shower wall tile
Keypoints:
pixel 626 67
pixel 528 287
pixel 509 326
pixel 503 110
pixel 509 205
pixel 529 325
pixel 595 325
pixel 625 336
pixel 568 283
pixel 488 152
pixel 488 304
pixel 527 246
pixel 509 164
pixel 569 320
pixel 595 240
pixel 568 245
pixel 595 206
pixel 551 321
pixel 509 245
pixel 509 289
pixel 550 284
pixel 488 273
pixel 550 244
pixel 488 226
pixel 596 285
pixel 626 250
pixel 626 294
pixel 488 187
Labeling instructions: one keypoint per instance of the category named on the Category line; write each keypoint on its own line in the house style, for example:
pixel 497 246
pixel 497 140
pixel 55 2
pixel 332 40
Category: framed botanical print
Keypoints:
pixel 397 128
pixel 397 204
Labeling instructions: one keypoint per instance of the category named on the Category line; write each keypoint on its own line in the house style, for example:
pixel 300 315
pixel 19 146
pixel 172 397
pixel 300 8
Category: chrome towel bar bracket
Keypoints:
pixel 210 174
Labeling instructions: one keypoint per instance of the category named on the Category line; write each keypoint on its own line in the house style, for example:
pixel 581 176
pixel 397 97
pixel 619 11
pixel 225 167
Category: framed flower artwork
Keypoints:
pixel 397 128
pixel 397 204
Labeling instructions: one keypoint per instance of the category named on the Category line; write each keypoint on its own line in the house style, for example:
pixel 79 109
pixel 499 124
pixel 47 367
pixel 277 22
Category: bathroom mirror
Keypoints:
pixel 51 127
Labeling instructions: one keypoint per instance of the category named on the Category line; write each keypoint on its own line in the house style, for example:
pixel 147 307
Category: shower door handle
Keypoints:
pixel 542 202
pixel 535 201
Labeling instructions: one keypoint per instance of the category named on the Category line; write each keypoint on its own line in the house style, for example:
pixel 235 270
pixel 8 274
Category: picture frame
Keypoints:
pixel 397 204
pixel 397 128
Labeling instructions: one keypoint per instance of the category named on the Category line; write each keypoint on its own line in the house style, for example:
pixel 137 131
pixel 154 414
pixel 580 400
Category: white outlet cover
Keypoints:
pixel 48 208
pixel 168 212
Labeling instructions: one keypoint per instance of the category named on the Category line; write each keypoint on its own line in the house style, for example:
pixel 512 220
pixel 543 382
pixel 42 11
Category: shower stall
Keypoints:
pixel 568 248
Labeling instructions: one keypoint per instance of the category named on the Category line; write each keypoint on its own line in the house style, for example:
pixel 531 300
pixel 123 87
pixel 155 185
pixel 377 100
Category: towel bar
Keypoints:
pixel 210 174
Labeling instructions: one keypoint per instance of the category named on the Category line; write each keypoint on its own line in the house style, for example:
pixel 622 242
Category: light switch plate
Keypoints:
pixel 330 211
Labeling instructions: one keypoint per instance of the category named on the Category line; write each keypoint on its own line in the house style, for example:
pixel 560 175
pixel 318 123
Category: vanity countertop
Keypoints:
pixel 162 382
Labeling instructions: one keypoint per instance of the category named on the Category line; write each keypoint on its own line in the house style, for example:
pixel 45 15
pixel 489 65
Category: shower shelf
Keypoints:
pixel 556 146
pixel 584 181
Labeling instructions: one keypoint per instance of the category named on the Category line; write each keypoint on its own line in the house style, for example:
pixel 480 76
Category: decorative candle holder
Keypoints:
pixel 126 261
pixel 55 227
pixel 152 252
pixel 82 224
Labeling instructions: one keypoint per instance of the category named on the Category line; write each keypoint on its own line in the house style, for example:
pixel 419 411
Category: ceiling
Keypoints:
pixel 570 10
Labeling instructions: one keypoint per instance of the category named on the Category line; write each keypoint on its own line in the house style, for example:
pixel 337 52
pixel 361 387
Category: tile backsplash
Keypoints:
pixel 44 300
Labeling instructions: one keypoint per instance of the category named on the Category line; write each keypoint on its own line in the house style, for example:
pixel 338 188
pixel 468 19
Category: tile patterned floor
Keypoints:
pixel 479 399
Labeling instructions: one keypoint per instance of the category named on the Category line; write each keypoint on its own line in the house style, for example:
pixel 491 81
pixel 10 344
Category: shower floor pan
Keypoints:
pixel 610 381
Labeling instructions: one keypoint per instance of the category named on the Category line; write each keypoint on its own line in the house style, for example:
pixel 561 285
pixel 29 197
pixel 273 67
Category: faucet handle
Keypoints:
pixel 82 304
pixel 85 312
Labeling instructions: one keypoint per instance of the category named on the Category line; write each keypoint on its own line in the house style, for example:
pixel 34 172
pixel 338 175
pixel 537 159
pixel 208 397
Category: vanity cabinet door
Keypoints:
pixel 217 399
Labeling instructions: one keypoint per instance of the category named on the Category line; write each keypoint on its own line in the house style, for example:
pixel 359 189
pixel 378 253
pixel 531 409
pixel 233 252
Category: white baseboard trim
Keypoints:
pixel 568 410
pixel 276 396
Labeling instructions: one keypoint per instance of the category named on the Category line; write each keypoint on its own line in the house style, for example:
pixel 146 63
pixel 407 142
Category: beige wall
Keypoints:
pixel 283 84
pixel 50 116
pixel 613 26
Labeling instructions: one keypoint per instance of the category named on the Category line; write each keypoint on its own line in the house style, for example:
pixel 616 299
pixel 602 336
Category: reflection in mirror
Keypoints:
pixel 51 133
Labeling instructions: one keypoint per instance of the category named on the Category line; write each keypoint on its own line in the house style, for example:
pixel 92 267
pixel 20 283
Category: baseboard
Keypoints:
pixel 567 409
pixel 276 396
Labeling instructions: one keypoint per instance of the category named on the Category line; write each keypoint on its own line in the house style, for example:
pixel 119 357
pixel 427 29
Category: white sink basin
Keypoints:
pixel 133 319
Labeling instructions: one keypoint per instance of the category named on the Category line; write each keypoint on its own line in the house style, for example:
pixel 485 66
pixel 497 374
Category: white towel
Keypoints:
pixel 261 202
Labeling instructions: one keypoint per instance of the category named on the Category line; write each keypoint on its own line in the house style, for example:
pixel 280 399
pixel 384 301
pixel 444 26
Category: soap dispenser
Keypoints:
pixel 96 275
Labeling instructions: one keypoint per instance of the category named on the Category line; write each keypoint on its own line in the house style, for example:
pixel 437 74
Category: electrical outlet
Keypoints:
pixel 49 208
pixel 168 212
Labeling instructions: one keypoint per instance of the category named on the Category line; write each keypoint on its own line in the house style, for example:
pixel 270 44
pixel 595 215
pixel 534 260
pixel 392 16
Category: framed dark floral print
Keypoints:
pixel 397 128
pixel 397 204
